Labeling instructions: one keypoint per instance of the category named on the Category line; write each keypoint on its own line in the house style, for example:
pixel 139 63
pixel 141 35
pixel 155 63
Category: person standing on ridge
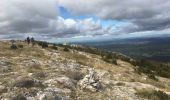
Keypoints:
pixel 28 40
pixel 32 41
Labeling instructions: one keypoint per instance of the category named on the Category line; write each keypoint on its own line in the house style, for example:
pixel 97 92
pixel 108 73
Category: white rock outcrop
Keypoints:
pixel 90 81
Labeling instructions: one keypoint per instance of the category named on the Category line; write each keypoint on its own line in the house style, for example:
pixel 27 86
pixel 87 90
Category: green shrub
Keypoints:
pixel 114 61
pixel 44 45
pixel 54 47
pixel 120 84
pixel 65 49
pixel 152 76
pixel 150 67
pixel 27 83
pixel 154 95
pixel 14 47
pixel 109 58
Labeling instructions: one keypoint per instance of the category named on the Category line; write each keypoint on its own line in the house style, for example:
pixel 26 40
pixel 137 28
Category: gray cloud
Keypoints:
pixel 20 18
pixel 71 27
pixel 40 18
pixel 145 15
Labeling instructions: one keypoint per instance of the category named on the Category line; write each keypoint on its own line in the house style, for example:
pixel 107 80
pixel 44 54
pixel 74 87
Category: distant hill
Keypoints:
pixel 155 48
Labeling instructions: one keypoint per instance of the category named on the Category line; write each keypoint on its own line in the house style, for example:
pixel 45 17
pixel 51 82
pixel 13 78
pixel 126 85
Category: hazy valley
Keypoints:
pixel 153 48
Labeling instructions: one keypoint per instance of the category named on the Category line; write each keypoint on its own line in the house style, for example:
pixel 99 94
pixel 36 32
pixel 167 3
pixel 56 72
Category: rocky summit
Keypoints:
pixel 54 72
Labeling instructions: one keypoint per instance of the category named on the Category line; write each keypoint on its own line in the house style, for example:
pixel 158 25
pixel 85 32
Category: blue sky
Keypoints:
pixel 62 20
pixel 105 23
pixel 66 14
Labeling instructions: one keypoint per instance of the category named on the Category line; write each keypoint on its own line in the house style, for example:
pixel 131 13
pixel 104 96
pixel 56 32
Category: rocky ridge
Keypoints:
pixel 35 73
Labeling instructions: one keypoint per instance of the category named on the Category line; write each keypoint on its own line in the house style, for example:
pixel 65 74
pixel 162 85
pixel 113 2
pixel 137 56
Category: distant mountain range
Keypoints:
pixel 152 48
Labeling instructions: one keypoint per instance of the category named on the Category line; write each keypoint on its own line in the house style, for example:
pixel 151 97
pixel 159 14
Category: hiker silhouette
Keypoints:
pixel 32 41
pixel 28 40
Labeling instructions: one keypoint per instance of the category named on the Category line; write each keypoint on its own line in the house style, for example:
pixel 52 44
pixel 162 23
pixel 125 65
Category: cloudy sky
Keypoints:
pixel 74 20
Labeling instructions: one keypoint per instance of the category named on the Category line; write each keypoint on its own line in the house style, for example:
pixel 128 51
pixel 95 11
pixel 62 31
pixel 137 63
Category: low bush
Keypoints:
pixel 153 95
pixel 120 84
pixel 109 58
pixel 65 49
pixel 28 83
pixel 14 47
pixel 152 76
pixel 154 68
pixel 42 44
pixel 54 47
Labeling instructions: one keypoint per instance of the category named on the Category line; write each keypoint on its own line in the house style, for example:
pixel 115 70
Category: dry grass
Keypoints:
pixel 81 59
pixel 27 50
pixel 33 69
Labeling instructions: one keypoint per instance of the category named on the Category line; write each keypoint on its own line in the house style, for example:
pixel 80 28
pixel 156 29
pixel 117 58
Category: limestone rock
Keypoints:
pixel 67 82
pixel 50 96
pixel 90 81
pixel 5 65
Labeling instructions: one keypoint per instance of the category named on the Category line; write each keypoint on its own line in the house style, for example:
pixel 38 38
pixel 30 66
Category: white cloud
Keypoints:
pixel 90 25
pixel 32 17
pixel 145 14
pixel 71 27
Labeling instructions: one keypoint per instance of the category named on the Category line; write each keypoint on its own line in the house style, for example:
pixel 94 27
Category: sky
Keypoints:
pixel 83 20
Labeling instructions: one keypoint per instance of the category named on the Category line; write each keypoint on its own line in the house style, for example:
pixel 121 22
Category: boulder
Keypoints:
pixel 50 96
pixel 30 63
pixel 58 90
pixel 90 81
pixel 67 82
